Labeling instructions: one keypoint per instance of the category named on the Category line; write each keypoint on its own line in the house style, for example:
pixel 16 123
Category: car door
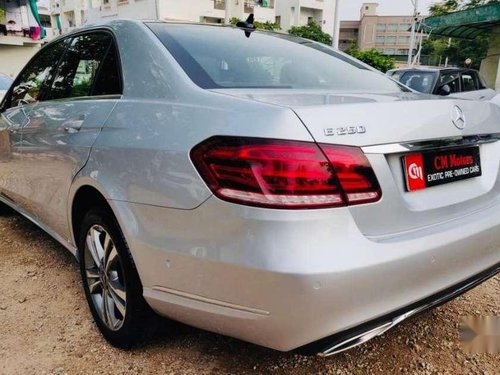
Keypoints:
pixel 24 95
pixel 484 92
pixel 57 140
pixel 469 88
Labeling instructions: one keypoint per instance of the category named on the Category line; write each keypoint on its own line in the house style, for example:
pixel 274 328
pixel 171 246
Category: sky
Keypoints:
pixel 349 9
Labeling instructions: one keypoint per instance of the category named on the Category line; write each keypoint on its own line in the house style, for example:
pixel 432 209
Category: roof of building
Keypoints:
pixel 465 24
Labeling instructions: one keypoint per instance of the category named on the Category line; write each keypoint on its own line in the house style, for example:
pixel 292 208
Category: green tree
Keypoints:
pixel 374 58
pixel 271 26
pixel 447 6
pixel 459 49
pixel 311 31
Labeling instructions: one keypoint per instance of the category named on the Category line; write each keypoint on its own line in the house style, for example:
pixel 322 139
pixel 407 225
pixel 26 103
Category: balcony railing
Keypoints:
pixel 220 4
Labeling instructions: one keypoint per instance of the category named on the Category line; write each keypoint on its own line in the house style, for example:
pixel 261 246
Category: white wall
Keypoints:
pixel 296 13
pixel 190 10
pixel 18 56
pixel 264 14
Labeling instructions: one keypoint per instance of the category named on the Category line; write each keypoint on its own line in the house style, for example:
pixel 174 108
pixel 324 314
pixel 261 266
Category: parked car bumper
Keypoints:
pixel 284 279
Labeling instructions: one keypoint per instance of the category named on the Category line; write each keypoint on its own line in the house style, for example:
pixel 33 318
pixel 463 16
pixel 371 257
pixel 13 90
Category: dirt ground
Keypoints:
pixel 45 328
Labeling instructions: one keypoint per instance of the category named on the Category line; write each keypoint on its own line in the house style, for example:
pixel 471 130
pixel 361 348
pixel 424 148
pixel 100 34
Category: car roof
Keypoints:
pixel 119 23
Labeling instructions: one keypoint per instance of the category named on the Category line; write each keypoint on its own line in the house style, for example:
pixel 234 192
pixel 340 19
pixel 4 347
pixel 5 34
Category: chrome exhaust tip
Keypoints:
pixel 356 340
pixel 369 334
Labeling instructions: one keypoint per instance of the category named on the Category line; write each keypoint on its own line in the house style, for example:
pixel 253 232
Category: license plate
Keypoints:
pixel 427 169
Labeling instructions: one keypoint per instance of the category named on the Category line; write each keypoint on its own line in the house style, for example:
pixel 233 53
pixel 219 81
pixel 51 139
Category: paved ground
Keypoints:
pixel 45 328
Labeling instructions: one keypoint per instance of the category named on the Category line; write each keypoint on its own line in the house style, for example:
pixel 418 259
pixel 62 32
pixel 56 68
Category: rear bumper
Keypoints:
pixel 350 338
pixel 285 279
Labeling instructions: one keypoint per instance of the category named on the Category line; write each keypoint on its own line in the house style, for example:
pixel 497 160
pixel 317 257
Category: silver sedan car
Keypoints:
pixel 249 183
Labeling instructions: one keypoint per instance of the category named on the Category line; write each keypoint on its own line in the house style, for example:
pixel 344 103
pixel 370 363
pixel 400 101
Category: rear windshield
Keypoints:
pixel 225 57
pixel 419 81
pixel 5 82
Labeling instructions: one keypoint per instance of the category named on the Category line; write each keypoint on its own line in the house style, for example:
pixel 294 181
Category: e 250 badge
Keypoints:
pixel 349 130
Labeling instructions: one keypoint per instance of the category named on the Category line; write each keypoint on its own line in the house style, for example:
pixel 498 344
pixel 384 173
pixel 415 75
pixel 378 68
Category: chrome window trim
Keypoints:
pixel 435 144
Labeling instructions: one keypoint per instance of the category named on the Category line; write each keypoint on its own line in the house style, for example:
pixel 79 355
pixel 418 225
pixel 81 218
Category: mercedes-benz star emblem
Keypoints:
pixel 458 118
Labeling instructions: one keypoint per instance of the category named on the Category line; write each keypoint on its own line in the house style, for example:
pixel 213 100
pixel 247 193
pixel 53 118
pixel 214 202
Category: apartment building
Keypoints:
pixel 210 11
pixel 300 12
pixel 390 35
pixel 68 14
pixel 20 33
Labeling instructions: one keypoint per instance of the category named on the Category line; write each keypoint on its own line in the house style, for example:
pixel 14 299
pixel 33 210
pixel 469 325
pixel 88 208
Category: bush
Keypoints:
pixel 311 31
pixel 374 59
pixel 271 26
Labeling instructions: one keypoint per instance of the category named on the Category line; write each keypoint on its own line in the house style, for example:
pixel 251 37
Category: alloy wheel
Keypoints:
pixel 105 277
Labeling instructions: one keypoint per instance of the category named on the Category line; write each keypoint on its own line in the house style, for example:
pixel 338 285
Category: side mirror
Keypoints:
pixel 444 90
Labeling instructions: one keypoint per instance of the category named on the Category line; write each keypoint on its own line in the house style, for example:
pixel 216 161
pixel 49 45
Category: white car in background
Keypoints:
pixel 5 82
pixel 456 82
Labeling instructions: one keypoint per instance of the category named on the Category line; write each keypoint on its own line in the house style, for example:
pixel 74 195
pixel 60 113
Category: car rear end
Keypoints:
pixel 388 208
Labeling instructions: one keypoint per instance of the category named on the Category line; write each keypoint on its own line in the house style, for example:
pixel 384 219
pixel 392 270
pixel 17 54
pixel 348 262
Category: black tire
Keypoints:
pixel 5 210
pixel 139 320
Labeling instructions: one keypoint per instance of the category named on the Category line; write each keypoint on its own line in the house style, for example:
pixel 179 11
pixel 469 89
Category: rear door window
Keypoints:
pixel 469 82
pixel 108 80
pixel 452 80
pixel 86 57
pixel 419 81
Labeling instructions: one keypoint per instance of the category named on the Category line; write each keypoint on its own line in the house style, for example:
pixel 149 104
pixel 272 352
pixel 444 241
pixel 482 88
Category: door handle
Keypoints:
pixel 74 124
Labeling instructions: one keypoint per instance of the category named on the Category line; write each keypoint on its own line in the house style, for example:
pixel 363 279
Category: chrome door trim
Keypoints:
pixel 435 144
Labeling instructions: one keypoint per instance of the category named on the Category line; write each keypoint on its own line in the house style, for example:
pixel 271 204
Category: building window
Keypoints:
pixel 404 40
pixel 404 27
pixel 380 40
pixel 220 4
pixel 392 27
pixel 381 27
pixel 248 6
pixel 389 51
pixel 390 40
pixel 45 20
pixel 402 52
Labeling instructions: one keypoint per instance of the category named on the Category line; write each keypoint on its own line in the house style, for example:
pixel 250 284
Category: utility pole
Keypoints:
pixel 336 26
pixel 228 13
pixel 413 32
pixel 447 58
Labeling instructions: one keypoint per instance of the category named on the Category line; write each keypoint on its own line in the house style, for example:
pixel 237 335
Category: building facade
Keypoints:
pixel 390 35
pixel 68 14
pixel 300 12
pixel 210 11
pixel 20 33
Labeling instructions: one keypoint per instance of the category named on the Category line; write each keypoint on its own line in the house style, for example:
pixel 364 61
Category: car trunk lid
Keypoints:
pixel 389 126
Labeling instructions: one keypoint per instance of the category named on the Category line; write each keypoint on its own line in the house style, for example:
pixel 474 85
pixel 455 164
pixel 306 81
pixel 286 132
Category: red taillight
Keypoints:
pixel 285 174
pixel 354 172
